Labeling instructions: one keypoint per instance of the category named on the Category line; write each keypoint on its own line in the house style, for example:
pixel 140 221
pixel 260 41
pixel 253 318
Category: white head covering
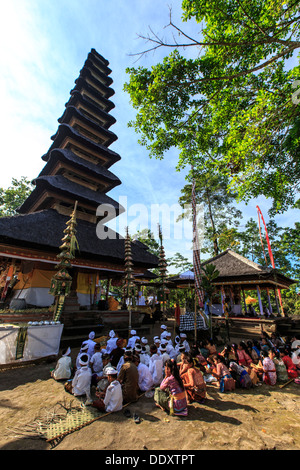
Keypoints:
pixel 163 347
pixel 138 347
pixel 112 334
pixel 67 352
pixel 182 335
pixel 111 371
pixel 177 339
pixel 92 335
pixel 163 327
pixel 84 347
pixel 83 362
pixel 168 333
pixel 144 340
pixel 133 332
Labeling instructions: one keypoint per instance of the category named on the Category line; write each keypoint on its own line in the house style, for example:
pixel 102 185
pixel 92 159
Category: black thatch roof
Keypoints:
pixel 104 74
pixel 94 55
pixel 64 130
pixel 61 185
pixel 44 231
pixel 85 73
pixel 81 84
pixel 73 112
pixel 233 267
pixel 77 97
pixel 65 155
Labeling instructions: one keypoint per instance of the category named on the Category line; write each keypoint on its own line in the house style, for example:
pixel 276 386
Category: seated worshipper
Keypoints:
pixel 229 354
pixel 157 343
pixel 276 341
pixel 81 383
pixel 102 381
pixel 193 380
pixel 170 396
pixel 269 375
pixel 96 364
pixel 177 344
pixel 163 331
pixel 112 399
pixel 281 371
pixel 163 353
pixel 184 341
pixel 117 353
pixel 83 350
pixel 127 351
pixel 179 358
pixel 145 344
pixel 156 365
pixel 91 343
pixel 145 376
pixel 63 369
pixel 129 379
pixel 287 360
pixel 240 375
pixel 202 362
pixel 144 356
pixel 253 352
pixel 212 350
pixel 203 349
pixel 111 343
pixel 222 374
pixel 244 359
pixel 132 339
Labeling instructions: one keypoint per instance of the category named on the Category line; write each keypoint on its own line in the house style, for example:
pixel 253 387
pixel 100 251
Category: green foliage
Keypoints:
pixel 14 196
pixel 230 109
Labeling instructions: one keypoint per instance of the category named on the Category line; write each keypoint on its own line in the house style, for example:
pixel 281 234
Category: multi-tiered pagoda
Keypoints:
pixel 77 169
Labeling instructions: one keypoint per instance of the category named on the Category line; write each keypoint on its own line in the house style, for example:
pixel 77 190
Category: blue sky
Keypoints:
pixel 44 46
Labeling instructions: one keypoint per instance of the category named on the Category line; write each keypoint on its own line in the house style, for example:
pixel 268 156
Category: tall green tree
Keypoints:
pixel 232 108
pixel 13 197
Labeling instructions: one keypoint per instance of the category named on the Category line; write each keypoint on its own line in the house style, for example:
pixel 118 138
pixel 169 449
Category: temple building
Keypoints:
pixel 77 170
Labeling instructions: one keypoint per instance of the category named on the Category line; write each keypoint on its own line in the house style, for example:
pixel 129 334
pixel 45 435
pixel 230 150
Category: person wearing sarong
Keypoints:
pixel 193 380
pixel 269 375
pixel 290 366
pixel 281 371
pixel 81 383
pixel 222 374
pixel 244 359
pixel 170 395
pixel 112 399
pixel 129 379
pixel 63 369
pixel 240 374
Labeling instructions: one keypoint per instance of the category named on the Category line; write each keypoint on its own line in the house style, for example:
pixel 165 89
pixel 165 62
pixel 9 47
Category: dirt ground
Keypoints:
pixel 263 418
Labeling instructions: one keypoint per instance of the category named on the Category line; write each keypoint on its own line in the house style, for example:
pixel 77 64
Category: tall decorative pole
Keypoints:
pixel 129 279
pixel 62 281
pixel 162 265
pixel 199 293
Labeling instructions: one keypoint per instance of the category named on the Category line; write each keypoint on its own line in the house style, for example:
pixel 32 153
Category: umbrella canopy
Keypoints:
pixel 250 300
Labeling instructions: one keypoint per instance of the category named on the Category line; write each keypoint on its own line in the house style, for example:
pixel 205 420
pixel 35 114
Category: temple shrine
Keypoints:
pixel 77 170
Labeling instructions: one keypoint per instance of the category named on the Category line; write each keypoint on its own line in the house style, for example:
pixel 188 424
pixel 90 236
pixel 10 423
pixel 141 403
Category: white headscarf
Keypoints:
pixel 133 332
pixel 67 352
pixel 92 335
pixel 112 334
pixel 82 362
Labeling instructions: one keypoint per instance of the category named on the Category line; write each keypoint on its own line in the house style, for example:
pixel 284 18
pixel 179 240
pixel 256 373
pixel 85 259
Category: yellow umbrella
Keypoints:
pixel 250 300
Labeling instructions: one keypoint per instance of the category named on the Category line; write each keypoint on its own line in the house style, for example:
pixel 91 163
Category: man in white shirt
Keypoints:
pixel 145 376
pixel 63 369
pixel 156 366
pixel 132 339
pixel 81 383
pixel 112 399
pixel 111 344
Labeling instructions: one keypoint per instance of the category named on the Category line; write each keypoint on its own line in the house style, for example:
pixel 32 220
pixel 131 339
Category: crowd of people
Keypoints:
pixel 174 372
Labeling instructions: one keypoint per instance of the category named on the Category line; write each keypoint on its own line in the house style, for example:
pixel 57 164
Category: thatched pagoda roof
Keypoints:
pixel 44 231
